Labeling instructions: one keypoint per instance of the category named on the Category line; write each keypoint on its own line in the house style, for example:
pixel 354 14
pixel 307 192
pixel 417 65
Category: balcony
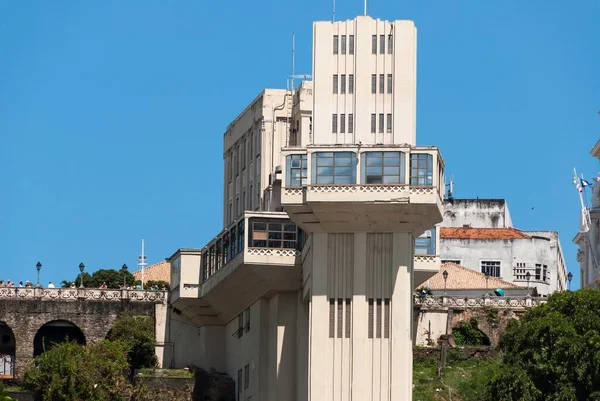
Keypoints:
pixel 425 266
pixel 370 188
pixel 256 256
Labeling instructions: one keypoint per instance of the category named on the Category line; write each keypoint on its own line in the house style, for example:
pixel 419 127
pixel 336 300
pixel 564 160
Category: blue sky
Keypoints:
pixel 112 113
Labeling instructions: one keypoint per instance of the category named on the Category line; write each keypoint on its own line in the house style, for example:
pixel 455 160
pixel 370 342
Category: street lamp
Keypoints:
pixel 569 278
pixel 81 267
pixel 445 276
pixel 124 270
pixel 38 266
pixel 528 277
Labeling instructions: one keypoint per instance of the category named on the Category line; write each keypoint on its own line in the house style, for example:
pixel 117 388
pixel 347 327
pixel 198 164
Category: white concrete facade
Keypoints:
pixel 307 292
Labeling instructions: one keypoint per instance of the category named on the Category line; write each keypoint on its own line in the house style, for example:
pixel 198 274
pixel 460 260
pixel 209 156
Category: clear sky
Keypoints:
pixel 112 113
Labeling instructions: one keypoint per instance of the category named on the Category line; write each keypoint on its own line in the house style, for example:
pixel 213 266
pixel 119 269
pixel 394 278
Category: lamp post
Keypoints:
pixel 445 276
pixel 569 278
pixel 528 277
pixel 38 266
pixel 124 270
pixel 81 267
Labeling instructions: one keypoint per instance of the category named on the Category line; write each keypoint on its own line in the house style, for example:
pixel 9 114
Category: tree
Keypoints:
pixel 553 352
pixel 70 371
pixel 151 284
pixel 137 334
pixel 112 278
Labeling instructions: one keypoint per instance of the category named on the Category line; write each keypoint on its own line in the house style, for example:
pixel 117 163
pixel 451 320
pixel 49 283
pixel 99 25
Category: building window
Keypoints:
pixel 421 169
pixel 373 83
pixel 350 123
pixel 370 318
pixel 351 84
pixel 381 83
pixel 382 168
pixel 343 44
pixel 343 86
pixel 452 261
pixel 389 83
pixel 335 84
pixel 348 317
pixel 246 377
pixel 342 123
pixel 351 44
pixel 331 318
pixel 389 124
pixel 545 275
pixel 336 40
pixel 296 171
pixel 381 44
pixel 374 44
pixel 390 43
pixel 386 318
pixel 239 385
pixel 273 234
pixel 538 271
pixel 373 123
pixel 492 268
pixel 425 244
pixel 334 125
pixel 381 123
pixel 334 168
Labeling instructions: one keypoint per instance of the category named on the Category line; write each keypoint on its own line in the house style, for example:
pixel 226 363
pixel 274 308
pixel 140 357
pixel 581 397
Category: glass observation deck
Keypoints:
pixel 355 188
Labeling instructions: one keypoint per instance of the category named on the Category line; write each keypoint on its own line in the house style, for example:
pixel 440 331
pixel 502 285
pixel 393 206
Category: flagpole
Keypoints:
pixel 587 221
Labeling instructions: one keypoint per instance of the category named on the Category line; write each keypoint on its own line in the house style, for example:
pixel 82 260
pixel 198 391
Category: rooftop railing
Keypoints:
pixel 92 294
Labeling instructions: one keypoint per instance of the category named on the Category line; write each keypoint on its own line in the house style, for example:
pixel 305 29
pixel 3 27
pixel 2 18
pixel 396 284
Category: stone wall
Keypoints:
pixel 95 318
pixel 492 322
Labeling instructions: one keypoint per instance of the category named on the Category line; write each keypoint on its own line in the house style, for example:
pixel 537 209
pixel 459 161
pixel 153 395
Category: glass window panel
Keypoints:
pixel 391 179
pixel 343 171
pixel 373 170
pixel 391 170
pixel 324 170
pixel 343 161
pixel 289 236
pixel 275 226
pixel 343 180
pixel 325 179
pixel 289 227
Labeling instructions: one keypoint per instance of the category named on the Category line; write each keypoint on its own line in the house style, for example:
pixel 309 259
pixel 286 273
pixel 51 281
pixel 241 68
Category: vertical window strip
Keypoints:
pixel 389 124
pixel 381 44
pixel 373 83
pixel 350 123
pixel 351 44
pixel 378 321
pixel 351 84
pixel 340 315
pixel 381 123
pixel 246 377
pixel 386 319
pixel 343 85
pixel 331 318
pixel 335 84
pixel 336 39
pixel 390 44
pixel 373 123
pixel 334 122
pixel 389 83
pixel 343 44
pixel 370 320
pixel 348 317
pixel 381 83
pixel 342 123
pixel 374 44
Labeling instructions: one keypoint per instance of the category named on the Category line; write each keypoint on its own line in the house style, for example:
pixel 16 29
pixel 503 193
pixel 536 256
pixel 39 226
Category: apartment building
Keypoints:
pixel 588 237
pixel 306 294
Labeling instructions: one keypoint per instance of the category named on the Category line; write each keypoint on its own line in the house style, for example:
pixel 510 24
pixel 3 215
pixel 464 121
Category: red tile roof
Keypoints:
pixel 160 271
pixel 481 233
pixel 463 278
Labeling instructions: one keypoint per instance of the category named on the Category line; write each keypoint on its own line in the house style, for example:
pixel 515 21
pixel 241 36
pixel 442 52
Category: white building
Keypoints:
pixel 588 238
pixel 478 234
pixel 307 294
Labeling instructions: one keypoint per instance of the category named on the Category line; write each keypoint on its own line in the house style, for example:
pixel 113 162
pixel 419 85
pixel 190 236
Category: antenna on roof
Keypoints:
pixel 450 186
pixel 142 263
pixel 365 7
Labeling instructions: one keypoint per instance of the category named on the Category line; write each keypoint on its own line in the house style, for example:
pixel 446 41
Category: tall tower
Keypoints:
pixel 370 191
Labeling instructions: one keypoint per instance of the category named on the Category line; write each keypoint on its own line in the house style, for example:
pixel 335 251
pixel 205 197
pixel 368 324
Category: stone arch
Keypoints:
pixel 8 346
pixel 56 332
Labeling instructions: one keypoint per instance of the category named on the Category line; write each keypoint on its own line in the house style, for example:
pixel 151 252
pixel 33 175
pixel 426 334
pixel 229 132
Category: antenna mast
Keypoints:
pixel 142 262
pixel 365 7
pixel 333 18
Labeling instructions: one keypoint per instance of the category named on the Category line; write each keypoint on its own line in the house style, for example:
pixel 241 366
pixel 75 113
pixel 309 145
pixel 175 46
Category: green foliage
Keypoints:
pixel 469 334
pixel 137 334
pixel 553 352
pixel 70 371
pixel 492 315
pixel 153 285
pixel 4 394
pixel 112 278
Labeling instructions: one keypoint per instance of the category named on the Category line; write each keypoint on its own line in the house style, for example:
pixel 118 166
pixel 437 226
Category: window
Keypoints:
pixel 373 123
pixel 382 168
pixel 243 154
pixel 246 377
pixel 388 126
pixel 237 205
pixel 247 320
pixel 336 40
pixel 490 267
pixel 390 43
pixel 381 123
pixel 351 84
pixel 334 121
pixel 239 385
pixel 296 171
pixel 370 318
pixel 538 271
pixel 381 83
pixel 452 261
pixel 545 275
pixel 381 44
pixel 230 166
pixel 342 123
pixel 373 83
pixel 421 169
pixel 335 84
pixel 389 83
pixel 334 168
pixel 374 44
pixel 240 331
pixel 331 318
pixel 273 234
pixel 520 271
pixel 351 44
pixel 343 88
pixel 250 194
pixel 425 244
pixel 350 123
pixel 343 44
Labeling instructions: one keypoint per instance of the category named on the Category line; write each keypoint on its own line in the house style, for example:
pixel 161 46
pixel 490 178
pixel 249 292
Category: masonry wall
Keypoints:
pixel 477 213
pixel 94 319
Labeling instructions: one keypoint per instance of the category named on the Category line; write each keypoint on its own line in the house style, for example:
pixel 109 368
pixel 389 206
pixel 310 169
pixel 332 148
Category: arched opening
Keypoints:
pixel 468 334
pixel 7 351
pixel 56 332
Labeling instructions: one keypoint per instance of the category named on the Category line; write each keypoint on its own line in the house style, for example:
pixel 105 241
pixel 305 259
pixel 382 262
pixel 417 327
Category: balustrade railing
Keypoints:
pixel 82 293
pixel 478 302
